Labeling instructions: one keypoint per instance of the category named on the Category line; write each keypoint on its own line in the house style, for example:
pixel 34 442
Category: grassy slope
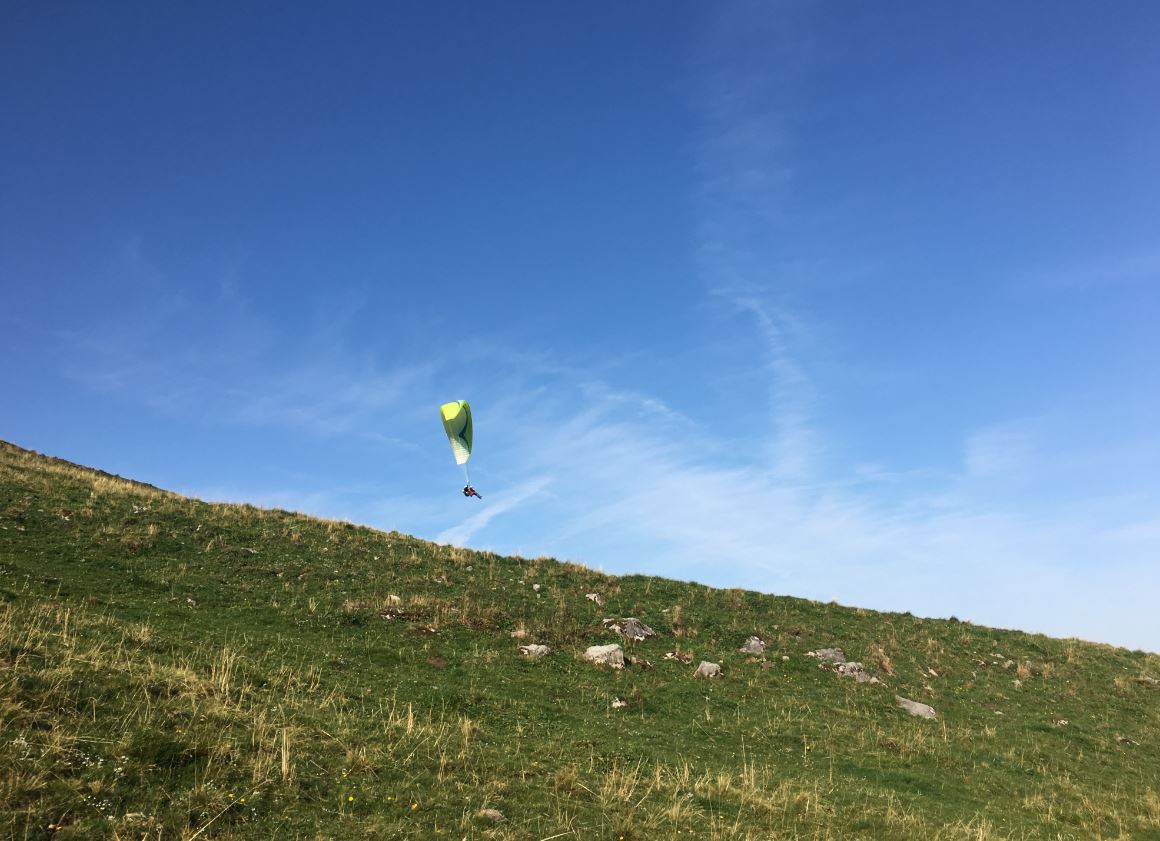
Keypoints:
pixel 173 669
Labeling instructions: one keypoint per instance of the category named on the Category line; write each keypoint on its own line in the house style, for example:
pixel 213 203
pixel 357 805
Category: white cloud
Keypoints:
pixel 504 502
pixel 1000 450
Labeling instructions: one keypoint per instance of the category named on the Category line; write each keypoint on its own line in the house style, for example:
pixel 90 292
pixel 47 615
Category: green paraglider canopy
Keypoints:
pixel 457 424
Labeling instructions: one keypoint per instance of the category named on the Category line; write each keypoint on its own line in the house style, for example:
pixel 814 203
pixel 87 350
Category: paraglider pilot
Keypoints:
pixel 469 491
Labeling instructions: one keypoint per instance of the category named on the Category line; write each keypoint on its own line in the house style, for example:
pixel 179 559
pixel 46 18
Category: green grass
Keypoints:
pixel 174 669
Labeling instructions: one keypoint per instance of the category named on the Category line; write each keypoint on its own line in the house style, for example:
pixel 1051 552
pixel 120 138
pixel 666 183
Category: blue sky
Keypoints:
pixel 840 301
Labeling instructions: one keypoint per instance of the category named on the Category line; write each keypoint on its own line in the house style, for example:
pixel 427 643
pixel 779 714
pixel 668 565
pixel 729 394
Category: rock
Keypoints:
pixel 1150 682
pixel 493 815
pixel 536 587
pixel 679 656
pixel 833 655
pixel 1061 722
pixel 534 650
pixel 753 645
pixel 857 672
pixel 605 655
pixel 915 708
pixel 631 629
pixel 619 703
pixel 707 669
pixel 393 600
pixel 595 597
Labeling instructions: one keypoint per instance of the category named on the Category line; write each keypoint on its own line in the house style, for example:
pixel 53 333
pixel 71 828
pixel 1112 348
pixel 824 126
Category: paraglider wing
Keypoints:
pixel 457 423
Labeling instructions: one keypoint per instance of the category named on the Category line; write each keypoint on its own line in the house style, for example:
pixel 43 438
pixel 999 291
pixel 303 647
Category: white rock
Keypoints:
pixel 856 671
pixel 753 645
pixel 606 655
pixel 534 650
pixel 594 597
pixel 707 669
pixel 915 708
pixel 833 655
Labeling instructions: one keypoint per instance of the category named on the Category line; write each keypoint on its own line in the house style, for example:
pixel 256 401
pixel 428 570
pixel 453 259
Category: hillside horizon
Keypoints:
pixel 176 668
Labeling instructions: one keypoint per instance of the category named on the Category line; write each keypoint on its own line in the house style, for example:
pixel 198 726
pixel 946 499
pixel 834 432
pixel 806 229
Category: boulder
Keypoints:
pixel 605 655
pixel 856 671
pixel 753 645
pixel 831 655
pixel 707 669
pixel 632 629
pixel 915 708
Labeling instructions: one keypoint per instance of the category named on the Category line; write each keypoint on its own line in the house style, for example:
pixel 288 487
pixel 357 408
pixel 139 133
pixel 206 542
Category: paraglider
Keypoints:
pixel 457 424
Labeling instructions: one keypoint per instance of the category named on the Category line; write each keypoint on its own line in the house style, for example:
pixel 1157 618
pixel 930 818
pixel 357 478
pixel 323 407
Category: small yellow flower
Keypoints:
pixel 349 798
pixel 414 806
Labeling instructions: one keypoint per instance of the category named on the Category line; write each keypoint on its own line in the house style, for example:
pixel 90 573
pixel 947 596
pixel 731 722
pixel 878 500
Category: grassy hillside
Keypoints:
pixel 174 669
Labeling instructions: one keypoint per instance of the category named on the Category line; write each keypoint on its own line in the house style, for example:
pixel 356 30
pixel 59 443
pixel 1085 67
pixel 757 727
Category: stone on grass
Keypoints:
pixel 594 597
pixel 619 703
pixel 605 655
pixel 833 655
pixel 534 650
pixel 493 815
pixel 915 708
pixel 856 671
pixel 630 628
pixel 753 645
pixel 707 669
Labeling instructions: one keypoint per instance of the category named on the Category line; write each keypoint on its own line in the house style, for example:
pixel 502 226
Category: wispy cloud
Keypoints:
pixel 1002 449
pixel 775 513
pixel 504 501
pixel 1126 270
pixel 215 355
pixel 591 462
